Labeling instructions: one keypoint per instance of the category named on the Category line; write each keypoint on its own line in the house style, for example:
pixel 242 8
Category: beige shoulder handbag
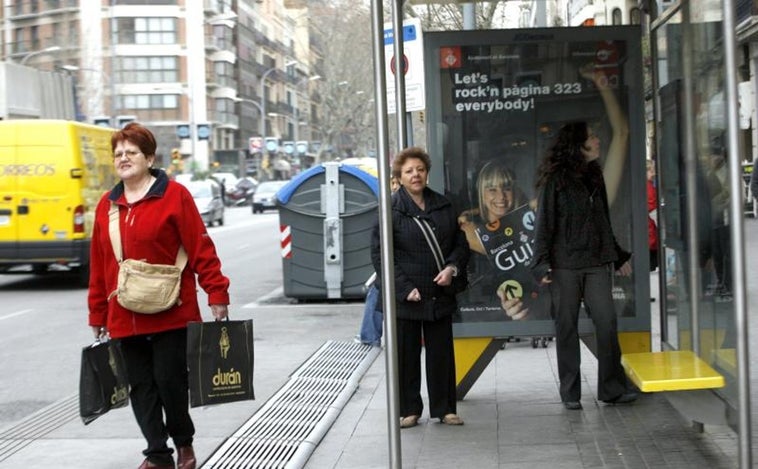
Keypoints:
pixel 143 287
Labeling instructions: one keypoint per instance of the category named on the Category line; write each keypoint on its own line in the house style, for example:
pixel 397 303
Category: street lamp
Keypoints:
pixel 46 50
pixel 259 106
pixel 96 96
pixel 263 94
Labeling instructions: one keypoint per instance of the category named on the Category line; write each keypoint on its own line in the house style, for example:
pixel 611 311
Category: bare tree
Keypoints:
pixel 449 16
pixel 346 124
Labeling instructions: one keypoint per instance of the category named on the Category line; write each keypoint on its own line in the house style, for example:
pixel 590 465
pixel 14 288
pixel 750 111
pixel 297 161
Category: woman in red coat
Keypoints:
pixel 156 218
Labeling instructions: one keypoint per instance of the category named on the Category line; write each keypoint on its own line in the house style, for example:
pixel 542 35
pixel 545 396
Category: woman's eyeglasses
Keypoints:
pixel 128 153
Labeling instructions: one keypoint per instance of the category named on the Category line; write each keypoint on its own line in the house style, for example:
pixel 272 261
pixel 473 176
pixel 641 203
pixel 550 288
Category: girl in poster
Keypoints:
pixel 501 230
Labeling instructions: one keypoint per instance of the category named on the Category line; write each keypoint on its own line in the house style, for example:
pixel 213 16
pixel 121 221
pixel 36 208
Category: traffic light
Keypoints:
pixel 421 116
pixel 123 120
pixel 272 144
pixel 102 121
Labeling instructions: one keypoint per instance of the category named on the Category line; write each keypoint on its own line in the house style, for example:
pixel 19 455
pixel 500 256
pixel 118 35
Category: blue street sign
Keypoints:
pixel 203 131
pixel 183 131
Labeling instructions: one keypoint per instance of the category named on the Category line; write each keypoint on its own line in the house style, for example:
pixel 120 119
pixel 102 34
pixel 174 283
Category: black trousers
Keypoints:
pixel 157 369
pixel 593 286
pixel 440 366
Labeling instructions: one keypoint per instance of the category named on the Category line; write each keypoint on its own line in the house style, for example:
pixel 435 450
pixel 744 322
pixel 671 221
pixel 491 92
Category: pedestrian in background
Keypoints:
pixel 652 210
pixel 156 218
pixel 576 253
pixel 372 322
pixel 424 293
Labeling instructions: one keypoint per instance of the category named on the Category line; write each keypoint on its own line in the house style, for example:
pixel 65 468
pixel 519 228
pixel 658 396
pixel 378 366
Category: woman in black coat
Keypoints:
pixel 424 294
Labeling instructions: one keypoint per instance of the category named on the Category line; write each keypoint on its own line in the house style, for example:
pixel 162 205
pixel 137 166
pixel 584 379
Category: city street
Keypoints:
pixel 44 327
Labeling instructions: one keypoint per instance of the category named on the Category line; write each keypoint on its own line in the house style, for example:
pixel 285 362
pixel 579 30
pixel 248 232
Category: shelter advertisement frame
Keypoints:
pixel 495 101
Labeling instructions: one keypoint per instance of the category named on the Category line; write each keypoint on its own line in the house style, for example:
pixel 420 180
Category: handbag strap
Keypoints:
pixel 428 233
pixel 115 233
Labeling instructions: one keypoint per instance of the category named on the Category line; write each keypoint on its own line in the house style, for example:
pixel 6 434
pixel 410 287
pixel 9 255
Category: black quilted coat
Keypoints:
pixel 414 264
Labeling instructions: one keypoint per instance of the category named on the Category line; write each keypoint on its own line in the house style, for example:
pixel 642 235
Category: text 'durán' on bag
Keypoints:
pixel 220 361
pixel 103 383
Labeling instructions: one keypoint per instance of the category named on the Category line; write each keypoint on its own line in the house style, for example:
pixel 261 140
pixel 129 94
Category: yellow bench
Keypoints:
pixel 674 370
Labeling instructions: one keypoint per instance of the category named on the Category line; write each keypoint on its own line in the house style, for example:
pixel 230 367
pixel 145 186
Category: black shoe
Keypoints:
pixel 572 405
pixel 625 398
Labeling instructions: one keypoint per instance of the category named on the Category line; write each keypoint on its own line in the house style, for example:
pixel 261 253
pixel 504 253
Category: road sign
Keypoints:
pixel 203 131
pixel 255 144
pixel 183 131
pixel 413 65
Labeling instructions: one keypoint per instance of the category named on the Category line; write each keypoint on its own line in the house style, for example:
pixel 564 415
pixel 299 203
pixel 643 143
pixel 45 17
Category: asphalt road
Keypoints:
pixel 43 319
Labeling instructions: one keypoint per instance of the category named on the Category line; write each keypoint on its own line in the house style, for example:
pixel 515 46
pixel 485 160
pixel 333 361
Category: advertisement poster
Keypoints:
pixel 496 101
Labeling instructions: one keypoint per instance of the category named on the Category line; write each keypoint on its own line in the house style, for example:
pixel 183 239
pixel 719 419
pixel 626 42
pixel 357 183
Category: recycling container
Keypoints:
pixel 326 216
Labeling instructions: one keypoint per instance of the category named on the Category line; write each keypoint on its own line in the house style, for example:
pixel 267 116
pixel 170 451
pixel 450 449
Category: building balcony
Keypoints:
pixel 225 120
pixel 26 10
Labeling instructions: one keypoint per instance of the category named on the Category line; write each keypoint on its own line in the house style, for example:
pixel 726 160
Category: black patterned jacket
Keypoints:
pixel 414 264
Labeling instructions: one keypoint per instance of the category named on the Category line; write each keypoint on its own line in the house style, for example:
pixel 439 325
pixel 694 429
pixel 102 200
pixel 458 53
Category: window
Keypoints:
pixel 145 2
pixel 149 101
pixel 147 69
pixel 19 40
pixel 635 16
pixel 146 30
pixel 616 16
pixel 34 31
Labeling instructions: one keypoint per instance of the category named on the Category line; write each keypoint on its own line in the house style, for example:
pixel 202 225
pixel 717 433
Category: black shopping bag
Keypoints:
pixel 220 361
pixel 103 384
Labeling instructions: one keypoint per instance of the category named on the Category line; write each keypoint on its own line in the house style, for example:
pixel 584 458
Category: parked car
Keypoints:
pixel 264 196
pixel 242 193
pixel 207 196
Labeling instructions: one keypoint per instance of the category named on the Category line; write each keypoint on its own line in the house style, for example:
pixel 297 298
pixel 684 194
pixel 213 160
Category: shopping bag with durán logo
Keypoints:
pixel 220 361
pixel 103 384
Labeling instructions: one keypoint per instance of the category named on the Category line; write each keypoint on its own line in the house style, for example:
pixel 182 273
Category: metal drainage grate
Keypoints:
pixel 289 426
pixel 38 425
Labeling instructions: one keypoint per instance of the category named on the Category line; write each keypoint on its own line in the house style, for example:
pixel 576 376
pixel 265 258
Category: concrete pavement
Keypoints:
pixel 513 415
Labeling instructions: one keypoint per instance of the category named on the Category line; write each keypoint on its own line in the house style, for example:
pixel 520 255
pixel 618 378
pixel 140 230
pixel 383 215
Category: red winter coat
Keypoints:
pixel 152 230
pixel 652 204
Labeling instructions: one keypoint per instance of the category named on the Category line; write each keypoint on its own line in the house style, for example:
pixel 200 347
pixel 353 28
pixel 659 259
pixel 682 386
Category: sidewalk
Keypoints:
pixel 514 419
pixel 513 416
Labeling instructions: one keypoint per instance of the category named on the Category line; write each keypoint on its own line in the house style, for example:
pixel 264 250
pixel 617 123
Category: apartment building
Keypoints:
pixel 205 75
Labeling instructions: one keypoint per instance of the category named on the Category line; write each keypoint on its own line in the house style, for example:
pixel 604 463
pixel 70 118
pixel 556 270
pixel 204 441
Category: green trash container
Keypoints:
pixel 326 215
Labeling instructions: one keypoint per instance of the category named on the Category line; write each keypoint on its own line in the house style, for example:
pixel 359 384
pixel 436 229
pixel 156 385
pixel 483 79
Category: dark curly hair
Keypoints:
pixel 565 157
pixel 407 154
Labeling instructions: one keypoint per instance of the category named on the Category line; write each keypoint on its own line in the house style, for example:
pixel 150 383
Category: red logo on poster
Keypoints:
pixel 607 61
pixel 450 57
pixel 393 66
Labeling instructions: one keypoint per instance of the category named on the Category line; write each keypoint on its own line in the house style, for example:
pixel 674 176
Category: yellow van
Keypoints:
pixel 52 174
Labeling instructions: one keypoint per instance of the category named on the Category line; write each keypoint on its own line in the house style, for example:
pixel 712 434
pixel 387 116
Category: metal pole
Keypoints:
pixel 113 59
pixel 737 235
pixel 385 226
pixel 691 169
pixel 399 52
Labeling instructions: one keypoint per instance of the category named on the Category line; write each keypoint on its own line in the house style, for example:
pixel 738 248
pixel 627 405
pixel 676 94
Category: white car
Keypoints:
pixel 207 197
pixel 264 196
